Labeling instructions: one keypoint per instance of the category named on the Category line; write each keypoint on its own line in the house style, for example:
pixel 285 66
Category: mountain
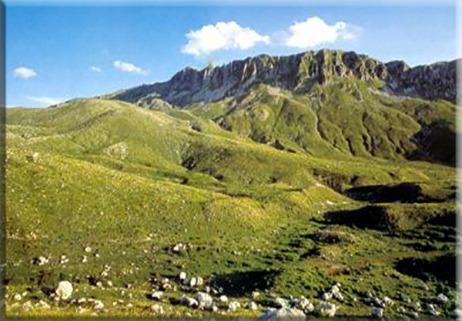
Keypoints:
pixel 287 182
pixel 298 73
pixel 322 103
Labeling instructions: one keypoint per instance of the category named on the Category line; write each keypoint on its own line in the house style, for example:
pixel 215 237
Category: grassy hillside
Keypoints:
pixel 343 118
pixel 131 183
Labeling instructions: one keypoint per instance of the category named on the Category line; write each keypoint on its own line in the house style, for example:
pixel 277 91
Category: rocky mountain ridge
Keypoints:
pixel 298 73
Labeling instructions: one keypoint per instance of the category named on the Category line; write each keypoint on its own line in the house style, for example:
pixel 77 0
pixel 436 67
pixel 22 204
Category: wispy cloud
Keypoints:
pixel 46 100
pixel 128 67
pixel 315 31
pixel 25 73
pixel 95 69
pixel 221 36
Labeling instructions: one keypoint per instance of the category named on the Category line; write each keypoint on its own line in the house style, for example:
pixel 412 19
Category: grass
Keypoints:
pixel 131 183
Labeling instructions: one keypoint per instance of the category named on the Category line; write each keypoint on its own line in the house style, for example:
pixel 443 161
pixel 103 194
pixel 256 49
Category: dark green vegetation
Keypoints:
pixel 278 191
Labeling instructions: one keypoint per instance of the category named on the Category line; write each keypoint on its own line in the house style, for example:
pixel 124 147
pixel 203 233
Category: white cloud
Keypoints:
pixel 23 72
pixel 95 69
pixel 128 67
pixel 46 100
pixel 314 31
pixel 222 35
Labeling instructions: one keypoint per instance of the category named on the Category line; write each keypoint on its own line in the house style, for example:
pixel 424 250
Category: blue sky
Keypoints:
pixel 61 52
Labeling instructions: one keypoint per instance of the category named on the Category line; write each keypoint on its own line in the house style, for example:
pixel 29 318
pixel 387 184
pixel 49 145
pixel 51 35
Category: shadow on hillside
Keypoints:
pixel 244 283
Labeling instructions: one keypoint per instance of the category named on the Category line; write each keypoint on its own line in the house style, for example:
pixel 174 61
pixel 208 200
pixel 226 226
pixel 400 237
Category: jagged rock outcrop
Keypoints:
pixel 297 73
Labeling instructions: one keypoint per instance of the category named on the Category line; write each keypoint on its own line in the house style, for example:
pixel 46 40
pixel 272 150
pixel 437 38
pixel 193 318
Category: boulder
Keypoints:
pixel 376 312
pixel 64 290
pixel 284 314
pixel 326 309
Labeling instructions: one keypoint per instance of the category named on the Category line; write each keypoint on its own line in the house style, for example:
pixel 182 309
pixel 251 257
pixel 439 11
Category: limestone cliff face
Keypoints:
pixel 297 73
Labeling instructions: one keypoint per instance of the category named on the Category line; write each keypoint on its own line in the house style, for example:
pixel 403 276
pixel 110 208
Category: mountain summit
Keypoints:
pixel 298 73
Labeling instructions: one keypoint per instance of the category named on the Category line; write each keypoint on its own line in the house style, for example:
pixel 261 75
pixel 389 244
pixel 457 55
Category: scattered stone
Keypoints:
pixel 157 309
pixel 253 306
pixel 305 305
pixel 34 157
pixel 88 249
pixel 193 282
pixel 441 298
pixel 284 313
pixel 223 299
pixel 281 303
pixel 204 299
pixel 157 295
pixel 378 302
pixel 416 306
pixel 388 301
pixel 182 277
pixel 432 310
pixel 414 314
pixel 401 310
pixel 98 305
pixel 327 296
pixel 207 289
pixel 109 284
pixel 326 309
pixel 200 281
pixel 43 305
pixel 255 294
pixel 81 301
pixel 189 302
pixel 85 259
pixel 17 297
pixel 234 306
pixel 99 284
pixel 42 260
pixel 64 290
pixel 376 312
pixel 179 247
pixel 27 306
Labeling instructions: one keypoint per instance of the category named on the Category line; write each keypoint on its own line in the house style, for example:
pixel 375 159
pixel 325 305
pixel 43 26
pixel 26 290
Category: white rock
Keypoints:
pixel 284 314
pixel 326 309
pixel 253 306
pixel 304 304
pixel 376 312
pixel 42 260
pixel 234 306
pixel 88 249
pixel 109 284
pixel 42 304
pixel 85 259
pixel 281 303
pixel 98 305
pixel 157 295
pixel 17 297
pixel 441 298
pixel 27 306
pixel 204 299
pixel 200 281
pixel 255 294
pixel 182 276
pixel 223 298
pixel 157 309
pixel 327 296
pixel 189 302
pixel 388 301
pixel 64 290
pixel 193 282
pixel 35 157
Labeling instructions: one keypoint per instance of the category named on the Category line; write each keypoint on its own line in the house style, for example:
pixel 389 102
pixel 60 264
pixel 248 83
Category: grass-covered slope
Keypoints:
pixel 131 183
pixel 341 119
